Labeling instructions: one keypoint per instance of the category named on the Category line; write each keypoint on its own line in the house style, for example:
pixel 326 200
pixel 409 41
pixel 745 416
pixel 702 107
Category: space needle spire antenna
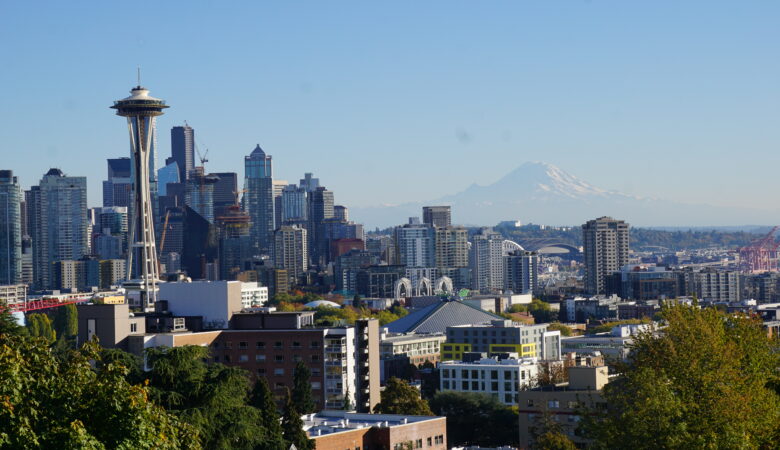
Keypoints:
pixel 143 276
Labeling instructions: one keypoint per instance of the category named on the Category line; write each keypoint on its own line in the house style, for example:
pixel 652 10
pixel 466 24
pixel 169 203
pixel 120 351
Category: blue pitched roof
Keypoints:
pixel 437 317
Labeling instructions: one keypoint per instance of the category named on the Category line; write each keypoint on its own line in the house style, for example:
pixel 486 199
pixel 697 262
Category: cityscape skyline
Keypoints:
pixel 543 100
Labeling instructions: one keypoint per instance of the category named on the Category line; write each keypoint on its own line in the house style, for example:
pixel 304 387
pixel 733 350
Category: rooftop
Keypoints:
pixel 329 422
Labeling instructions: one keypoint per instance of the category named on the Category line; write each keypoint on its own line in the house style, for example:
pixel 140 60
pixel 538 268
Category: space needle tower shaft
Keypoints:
pixel 141 111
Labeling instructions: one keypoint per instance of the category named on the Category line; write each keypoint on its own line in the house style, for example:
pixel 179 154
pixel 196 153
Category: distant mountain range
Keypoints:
pixel 542 193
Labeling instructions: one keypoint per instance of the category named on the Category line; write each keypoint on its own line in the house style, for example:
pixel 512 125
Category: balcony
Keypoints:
pixel 336 362
pixel 335 349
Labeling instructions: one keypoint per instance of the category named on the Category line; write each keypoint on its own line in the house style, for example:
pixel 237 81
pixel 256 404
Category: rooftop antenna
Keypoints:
pixel 139 76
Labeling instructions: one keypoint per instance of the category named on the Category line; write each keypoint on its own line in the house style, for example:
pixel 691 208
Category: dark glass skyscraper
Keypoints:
pixel 10 229
pixel 259 198
pixel 183 149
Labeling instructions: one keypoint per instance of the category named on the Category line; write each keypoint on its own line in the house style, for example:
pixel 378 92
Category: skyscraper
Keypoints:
pixel 118 187
pixel 293 205
pixel 452 247
pixel 259 198
pixel 141 111
pixel 605 248
pixel 437 216
pixel 234 242
pixel 183 149
pixel 225 192
pixel 320 205
pixel 10 229
pixel 199 193
pixel 487 261
pixel 57 215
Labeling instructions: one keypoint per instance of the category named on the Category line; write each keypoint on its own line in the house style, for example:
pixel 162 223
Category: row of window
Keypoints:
pixel 262 358
pixel 431 440
pixel 481 374
pixel 261 344
pixel 477 386
pixel 315 372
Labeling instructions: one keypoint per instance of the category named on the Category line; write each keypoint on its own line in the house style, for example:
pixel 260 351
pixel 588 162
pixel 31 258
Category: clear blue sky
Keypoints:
pixel 397 101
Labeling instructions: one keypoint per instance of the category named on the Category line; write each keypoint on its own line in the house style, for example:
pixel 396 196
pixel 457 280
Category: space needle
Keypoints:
pixel 142 269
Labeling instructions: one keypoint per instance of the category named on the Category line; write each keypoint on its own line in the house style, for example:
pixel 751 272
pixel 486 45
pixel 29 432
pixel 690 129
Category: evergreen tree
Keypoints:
pixel 66 321
pixel 301 394
pixel 347 401
pixel 292 427
pixel 401 398
pixel 9 325
pixel 263 399
pixel 39 325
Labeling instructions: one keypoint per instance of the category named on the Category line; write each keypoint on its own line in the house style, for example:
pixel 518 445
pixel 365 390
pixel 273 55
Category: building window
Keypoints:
pixel 494 374
pixel 474 374
pixel 507 398
pixel 315 358
pixel 260 358
pixel 315 344
pixel 227 358
pixel 261 372
pixel 297 358
pixel 315 372
pixel 445 384
pixel 464 373
pixel 316 385
pixel 216 359
pixel 228 344
pixel 552 404
pixel 279 385
pixel 494 386
pixel 296 344
pixel 279 358
pixel 464 385
pixel 474 385
pixel 215 344
pixel 260 345
pixel 133 327
pixel 430 441
pixel 278 344
pixel 242 345
pixel 243 358
pixel 279 372
pixel 507 375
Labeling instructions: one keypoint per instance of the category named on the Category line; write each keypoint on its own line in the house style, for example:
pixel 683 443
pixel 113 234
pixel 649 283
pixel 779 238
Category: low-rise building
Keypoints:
pixel 502 336
pixel 398 351
pixel 613 345
pixel 253 295
pixel 345 430
pixel 562 403
pixel 501 378
pixel 216 301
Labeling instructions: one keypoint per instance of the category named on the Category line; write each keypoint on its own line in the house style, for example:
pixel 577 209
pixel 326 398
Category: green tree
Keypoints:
pixel 9 325
pixel 66 321
pixel 301 394
pixel 347 401
pixel 263 399
pixel 48 402
pixel 131 362
pixel 548 434
pixel 542 311
pixel 39 325
pixel 703 381
pixel 401 398
pixel 292 427
pixel 557 326
pixel 211 397
pixel 476 419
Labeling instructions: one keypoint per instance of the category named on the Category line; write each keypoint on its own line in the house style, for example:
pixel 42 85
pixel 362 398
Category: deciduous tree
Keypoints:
pixel 401 398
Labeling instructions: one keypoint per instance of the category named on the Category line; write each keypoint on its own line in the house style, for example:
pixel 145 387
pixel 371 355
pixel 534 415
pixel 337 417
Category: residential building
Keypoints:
pixel 605 249
pixel 452 247
pixel 614 345
pixel 521 271
pixel 13 294
pixel 379 281
pixel 400 350
pixel 501 336
pixel 713 284
pixel 437 216
pixel 415 245
pixel 487 261
pixel 345 430
pixel 503 379
pixel 259 198
pixel 57 218
pixel 347 267
pixel 645 283
pixel 10 229
pixel 291 251
pixel 562 403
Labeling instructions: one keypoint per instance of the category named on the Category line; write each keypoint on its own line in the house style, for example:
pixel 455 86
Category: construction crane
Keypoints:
pixel 162 240
pixel 202 157
pixel 761 254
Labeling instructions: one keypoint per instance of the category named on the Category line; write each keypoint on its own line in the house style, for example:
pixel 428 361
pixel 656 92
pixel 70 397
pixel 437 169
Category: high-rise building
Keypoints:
pixel 259 198
pixel 320 205
pixel 487 261
pixel 290 251
pixel 199 192
pixel 183 149
pixel 10 229
pixel 118 187
pixel 309 183
pixel 141 111
pixel 521 271
pixel 57 215
pixel 437 216
pixel 234 242
pixel 341 212
pixel 225 192
pixel 415 244
pixel 293 205
pixel 167 175
pixel 452 246
pixel 109 236
pixel 605 248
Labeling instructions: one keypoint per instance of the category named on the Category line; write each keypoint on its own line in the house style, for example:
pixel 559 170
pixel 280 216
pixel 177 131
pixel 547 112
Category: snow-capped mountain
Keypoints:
pixel 543 193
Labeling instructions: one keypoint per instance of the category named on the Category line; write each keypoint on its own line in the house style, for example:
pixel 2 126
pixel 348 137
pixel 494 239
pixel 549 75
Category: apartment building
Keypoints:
pixel 501 378
pixel 502 336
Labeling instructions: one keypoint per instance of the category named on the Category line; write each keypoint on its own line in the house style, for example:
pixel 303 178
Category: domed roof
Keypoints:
pixel 318 303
